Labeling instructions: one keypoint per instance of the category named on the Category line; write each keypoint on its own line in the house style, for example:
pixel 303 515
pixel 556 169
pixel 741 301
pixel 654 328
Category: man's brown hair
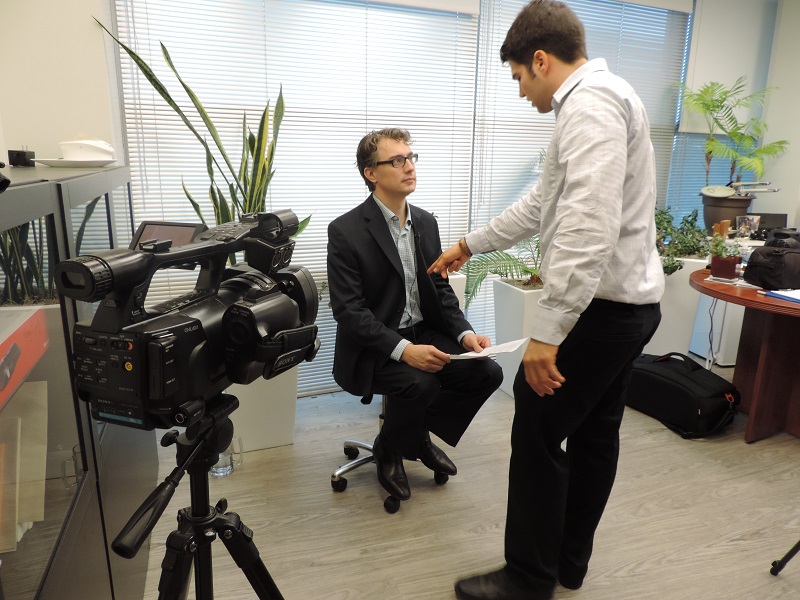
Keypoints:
pixel 367 153
pixel 544 25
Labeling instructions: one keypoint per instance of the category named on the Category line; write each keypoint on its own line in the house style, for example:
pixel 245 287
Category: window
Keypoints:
pixel 346 67
pixel 646 46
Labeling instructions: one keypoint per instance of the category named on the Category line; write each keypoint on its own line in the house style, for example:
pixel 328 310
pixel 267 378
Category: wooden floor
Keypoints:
pixel 687 520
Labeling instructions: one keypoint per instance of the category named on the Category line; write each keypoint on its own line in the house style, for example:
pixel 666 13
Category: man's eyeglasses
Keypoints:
pixel 398 162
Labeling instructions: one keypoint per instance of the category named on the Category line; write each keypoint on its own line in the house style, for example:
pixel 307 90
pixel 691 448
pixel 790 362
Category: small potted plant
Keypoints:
pixel 724 258
pixel 520 269
pixel 516 297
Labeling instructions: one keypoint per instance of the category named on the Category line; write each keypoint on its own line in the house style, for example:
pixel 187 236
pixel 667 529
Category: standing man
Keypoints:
pixel 594 208
pixel 396 325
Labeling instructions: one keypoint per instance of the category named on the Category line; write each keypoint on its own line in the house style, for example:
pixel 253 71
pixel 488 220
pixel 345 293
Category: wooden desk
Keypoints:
pixel 766 372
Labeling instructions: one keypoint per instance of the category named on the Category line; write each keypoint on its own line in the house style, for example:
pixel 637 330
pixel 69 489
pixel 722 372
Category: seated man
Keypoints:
pixel 397 325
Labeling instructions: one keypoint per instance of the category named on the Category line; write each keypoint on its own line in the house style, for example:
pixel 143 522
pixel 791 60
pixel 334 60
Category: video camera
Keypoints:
pixel 157 366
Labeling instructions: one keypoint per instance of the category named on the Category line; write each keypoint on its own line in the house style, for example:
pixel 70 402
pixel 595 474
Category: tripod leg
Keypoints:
pixel 238 539
pixel 777 566
pixel 176 566
pixel 203 577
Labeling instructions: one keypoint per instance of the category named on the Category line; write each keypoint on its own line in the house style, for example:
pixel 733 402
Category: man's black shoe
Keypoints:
pixel 391 474
pixel 496 585
pixel 435 459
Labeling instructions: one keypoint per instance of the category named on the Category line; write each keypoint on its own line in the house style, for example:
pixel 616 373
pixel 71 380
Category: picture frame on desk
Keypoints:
pixel 746 225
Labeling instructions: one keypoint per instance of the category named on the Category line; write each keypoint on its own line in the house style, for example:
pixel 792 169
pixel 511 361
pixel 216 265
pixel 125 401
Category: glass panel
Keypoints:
pixel 90 225
pixel 40 458
pixel 26 264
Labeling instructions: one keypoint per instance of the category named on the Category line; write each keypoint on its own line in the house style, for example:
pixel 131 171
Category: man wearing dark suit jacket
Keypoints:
pixel 397 325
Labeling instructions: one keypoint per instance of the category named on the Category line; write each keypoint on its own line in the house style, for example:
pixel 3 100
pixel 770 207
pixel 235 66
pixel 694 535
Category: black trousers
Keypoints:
pixel 556 497
pixel 443 403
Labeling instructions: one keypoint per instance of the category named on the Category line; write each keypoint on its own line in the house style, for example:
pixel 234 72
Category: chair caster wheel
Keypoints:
pixel 339 485
pixel 351 453
pixel 441 478
pixel 391 505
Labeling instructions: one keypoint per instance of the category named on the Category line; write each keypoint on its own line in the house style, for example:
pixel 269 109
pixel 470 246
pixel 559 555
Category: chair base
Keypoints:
pixel 352 448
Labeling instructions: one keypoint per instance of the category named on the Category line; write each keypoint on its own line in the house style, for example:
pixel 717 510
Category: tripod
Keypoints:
pixel 200 523
pixel 777 565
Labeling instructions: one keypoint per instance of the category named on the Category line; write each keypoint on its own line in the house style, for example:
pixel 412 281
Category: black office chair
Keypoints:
pixel 352 449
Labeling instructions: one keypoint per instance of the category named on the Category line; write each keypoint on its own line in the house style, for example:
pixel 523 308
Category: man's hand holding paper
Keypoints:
pixel 491 350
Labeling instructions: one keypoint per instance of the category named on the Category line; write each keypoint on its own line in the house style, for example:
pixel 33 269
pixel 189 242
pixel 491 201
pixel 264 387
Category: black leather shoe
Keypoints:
pixel 435 459
pixel 391 474
pixel 496 585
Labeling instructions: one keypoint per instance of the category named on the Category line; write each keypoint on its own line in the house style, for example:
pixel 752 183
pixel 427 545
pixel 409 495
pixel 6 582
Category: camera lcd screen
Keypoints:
pixel 179 233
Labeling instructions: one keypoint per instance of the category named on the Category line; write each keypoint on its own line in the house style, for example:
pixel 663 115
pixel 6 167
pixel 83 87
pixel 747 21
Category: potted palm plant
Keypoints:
pixel 516 297
pixel 520 268
pixel 718 105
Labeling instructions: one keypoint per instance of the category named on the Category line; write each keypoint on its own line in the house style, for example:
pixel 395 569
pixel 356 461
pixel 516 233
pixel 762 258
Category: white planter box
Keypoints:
pixel 514 312
pixel 678 309
pixel 266 413
pixel 458 281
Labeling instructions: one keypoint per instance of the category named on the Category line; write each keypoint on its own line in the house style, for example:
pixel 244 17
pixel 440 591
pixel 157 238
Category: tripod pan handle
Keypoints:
pixel 139 526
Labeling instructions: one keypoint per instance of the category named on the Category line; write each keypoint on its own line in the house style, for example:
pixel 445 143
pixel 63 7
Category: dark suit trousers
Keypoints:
pixel 556 497
pixel 443 403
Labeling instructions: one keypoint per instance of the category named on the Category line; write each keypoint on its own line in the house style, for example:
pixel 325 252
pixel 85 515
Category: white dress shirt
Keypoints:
pixel 404 240
pixel 593 204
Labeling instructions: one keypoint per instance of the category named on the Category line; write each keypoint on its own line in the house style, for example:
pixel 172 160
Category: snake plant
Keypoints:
pixel 245 185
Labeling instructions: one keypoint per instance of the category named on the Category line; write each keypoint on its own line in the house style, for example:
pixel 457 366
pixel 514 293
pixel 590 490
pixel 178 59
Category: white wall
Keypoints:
pixel 730 38
pixel 55 83
pixel 781 113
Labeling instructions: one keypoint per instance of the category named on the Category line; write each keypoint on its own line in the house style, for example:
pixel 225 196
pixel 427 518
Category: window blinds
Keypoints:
pixel 345 67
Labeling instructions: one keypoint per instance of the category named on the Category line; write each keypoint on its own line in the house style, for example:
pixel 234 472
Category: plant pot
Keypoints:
pixel 721 209
pixel 724 267
pixel 678 309
pixel 514 314
pixel 266 414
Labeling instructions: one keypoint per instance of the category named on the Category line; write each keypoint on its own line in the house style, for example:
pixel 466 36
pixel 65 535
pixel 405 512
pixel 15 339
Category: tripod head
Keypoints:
pixel 197 450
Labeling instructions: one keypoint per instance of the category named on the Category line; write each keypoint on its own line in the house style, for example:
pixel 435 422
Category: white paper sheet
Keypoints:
pixel 790 295
pixel 491 350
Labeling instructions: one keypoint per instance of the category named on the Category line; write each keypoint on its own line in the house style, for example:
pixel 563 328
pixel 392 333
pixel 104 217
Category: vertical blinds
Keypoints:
pixel 647 46
pixel 345 67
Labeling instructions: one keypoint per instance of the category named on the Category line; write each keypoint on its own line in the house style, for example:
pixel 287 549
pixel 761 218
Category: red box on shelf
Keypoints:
pixel 23 341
